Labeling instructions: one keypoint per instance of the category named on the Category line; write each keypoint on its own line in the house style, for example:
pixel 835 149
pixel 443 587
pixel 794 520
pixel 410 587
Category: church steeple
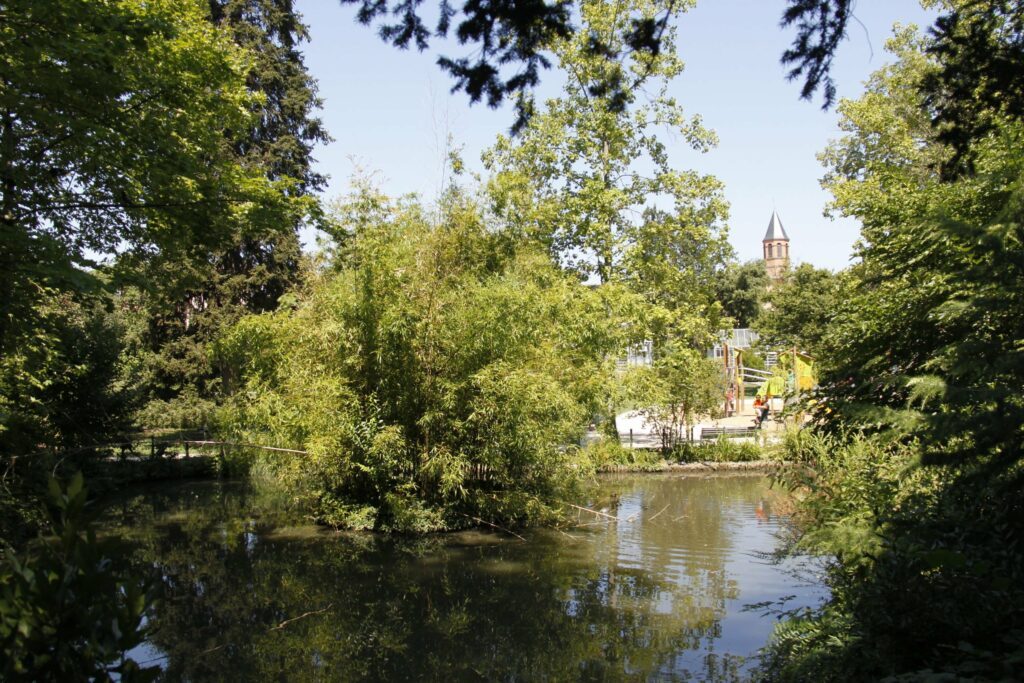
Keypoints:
pixel 776 249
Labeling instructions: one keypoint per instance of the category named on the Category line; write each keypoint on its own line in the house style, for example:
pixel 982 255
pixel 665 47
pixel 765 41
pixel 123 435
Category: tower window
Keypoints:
pixel 769 251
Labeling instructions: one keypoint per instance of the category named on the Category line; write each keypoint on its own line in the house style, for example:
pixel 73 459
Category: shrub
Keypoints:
pixel 927 577
pixel 608 455
pixel 722 450
pixel 433 376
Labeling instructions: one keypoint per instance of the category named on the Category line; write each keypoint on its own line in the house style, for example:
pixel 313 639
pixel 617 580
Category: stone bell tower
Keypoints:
pixel 776 250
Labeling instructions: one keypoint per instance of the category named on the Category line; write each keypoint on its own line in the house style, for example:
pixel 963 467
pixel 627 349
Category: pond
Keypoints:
pixel 659 589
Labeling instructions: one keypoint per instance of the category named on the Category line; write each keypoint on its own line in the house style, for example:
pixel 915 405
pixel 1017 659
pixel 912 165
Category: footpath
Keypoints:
pixel 636 432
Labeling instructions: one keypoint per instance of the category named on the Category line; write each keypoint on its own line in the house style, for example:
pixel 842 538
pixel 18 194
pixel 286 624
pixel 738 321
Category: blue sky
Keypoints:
pixel 390 111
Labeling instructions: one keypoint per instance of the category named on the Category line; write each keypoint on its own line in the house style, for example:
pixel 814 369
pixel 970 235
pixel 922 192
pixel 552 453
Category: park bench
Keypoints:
pixel 714 433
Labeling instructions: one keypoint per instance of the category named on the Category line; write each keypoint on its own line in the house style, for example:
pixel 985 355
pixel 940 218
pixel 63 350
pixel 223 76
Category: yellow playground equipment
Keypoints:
pixel 792 375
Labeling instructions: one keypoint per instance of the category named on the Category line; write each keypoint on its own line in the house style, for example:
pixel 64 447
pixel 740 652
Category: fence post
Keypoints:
pixel 630 437
pixel 186 448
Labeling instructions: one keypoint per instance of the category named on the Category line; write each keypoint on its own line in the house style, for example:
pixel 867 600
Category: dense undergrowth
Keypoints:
pixel 912 479
pixel 927 576
pixel 434 376
pixel 721 450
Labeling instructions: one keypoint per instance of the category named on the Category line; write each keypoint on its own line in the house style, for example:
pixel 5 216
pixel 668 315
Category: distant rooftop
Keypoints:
pixel 738 337
pixel 775 230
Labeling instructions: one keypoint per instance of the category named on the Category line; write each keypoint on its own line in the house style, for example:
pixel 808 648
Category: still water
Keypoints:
pixel 658 590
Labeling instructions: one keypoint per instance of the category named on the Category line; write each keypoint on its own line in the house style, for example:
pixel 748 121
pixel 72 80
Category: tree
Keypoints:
pixel 197 298
pixel 916 492
pixel 512 32
pixel 979 44
pixel 589 179
pixel 884 171
pixel 980 48
pixel 801 309
pixel 679 386
pixel 740 288
pixel 112 139
pixel 97 104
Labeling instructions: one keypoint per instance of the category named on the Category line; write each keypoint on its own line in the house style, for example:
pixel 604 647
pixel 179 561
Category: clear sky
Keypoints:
pixel 390 111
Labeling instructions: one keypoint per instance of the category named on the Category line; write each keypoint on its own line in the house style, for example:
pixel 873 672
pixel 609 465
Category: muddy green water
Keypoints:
pixel 657 593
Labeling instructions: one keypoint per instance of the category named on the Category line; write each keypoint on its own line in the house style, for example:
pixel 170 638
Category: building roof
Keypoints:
pixel 775 230
pixel 738 337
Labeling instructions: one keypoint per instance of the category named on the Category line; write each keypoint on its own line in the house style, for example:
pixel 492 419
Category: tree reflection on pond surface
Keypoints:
pixel 656 593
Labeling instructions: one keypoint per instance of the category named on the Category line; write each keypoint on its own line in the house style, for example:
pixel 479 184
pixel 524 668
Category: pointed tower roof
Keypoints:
pixel 775 230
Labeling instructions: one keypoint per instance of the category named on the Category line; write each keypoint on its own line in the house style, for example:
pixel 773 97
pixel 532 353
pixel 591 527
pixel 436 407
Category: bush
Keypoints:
pixel 927 576
pixel 722 450
pixel 186 411
pixel 608 455
pixel 434 376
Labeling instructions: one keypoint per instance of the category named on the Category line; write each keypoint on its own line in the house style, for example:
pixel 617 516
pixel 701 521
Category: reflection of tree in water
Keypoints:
pixel 618 603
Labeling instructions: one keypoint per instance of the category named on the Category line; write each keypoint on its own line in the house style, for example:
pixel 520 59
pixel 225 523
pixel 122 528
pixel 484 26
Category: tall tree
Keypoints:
pixel 740 288
pixel 113 122
pixel 590 181
pixel 589 178
pixel 918 495
pixel 197 299
pixel 937 306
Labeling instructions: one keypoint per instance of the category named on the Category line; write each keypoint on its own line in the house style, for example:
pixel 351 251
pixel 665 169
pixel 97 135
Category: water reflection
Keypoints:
pixel 652 591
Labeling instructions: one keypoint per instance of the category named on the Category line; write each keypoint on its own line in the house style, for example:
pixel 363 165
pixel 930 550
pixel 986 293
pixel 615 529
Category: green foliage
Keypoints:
pixel 926 342
pixel 58 392
pixel 66 612
pixel 801 309
pixel 590 180
pixel 431 369
pixel 95 110
pixel 679 386
pixel 608 455
pixel 980 48
pixel 722 450
pixel 752 359
pixel 58 389
pixel 926 576
pixel 741 288
pixel 116 125
pixel 184 303
pixel 913 485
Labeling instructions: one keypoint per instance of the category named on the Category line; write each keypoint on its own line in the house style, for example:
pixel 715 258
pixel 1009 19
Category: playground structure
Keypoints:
pixel 792 375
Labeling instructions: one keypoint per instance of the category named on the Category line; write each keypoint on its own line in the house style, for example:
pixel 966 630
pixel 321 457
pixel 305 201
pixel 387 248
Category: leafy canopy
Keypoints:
pixel 801 309
pixel 187 300
pixel 589 178
pixel 434 374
